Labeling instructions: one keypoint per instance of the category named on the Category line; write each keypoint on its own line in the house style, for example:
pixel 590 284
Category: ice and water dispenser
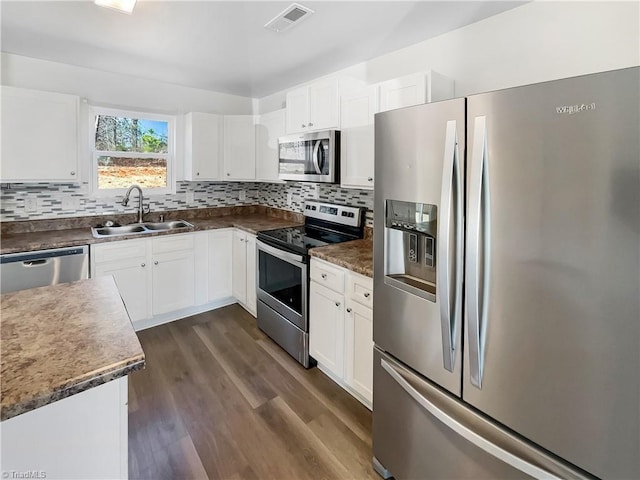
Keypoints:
pixel 410 247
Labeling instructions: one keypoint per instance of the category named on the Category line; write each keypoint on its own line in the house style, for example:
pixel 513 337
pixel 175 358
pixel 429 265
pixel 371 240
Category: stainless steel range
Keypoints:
pixel 283 271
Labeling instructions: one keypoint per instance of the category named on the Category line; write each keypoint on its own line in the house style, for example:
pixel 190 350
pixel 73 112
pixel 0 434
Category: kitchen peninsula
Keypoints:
pixel 66 352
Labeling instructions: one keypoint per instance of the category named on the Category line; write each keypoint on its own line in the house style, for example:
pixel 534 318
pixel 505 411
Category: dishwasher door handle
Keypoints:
pixel 35 263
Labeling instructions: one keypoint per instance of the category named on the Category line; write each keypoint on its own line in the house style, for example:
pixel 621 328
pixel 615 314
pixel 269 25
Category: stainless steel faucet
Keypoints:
pixel 125 201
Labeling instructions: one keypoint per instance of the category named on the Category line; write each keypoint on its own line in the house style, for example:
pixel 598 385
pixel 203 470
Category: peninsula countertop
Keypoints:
pixel 61 340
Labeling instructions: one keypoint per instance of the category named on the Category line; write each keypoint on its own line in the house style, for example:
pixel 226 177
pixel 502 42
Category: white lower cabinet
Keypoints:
pixel 244 270
pixel 219 246
pixel 172 273
pixel 84 436
pixel 326 329
pixel 154 276
pixel 341 327
pixel 127 261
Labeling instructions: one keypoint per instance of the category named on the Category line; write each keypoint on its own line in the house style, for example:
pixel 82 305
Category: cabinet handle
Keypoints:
pixel 370 179
pixel 156 262
pixel 310 124
pixel 143 265
pixel 304 126
pixel 73 173
pixel 367 295
pixel 337 304
pixel 324 275
pixel 348 310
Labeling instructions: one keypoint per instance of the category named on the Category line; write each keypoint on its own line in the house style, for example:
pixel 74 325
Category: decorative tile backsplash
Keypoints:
pixel 44 200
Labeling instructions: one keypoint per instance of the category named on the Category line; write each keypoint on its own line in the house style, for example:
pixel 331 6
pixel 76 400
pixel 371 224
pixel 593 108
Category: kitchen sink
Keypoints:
pixel 139 228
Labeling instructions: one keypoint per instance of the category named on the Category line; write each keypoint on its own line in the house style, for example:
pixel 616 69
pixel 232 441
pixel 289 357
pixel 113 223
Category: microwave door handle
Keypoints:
pixel 316 149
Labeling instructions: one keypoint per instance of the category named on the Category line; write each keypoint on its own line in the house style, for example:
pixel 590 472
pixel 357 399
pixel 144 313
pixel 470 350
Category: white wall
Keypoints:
pixel 538 41
pixel 117 90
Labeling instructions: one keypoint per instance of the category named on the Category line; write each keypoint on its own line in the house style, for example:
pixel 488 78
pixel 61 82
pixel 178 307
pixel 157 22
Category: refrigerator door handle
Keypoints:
pixel 450 311
pixel 485 431
pixel 478 250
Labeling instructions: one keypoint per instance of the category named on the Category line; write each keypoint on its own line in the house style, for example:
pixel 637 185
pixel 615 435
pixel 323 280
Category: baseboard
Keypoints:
pixel 178 314
pixel 343 384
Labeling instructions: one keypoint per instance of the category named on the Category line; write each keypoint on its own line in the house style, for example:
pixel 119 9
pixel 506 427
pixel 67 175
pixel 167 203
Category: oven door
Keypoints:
pixel 311 157
pixel 282 283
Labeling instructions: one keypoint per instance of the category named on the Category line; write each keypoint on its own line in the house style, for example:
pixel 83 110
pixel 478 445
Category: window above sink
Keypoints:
pixel 129 147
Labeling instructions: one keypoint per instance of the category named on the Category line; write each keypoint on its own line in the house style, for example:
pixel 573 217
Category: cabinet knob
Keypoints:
pixel 370 179
pixel 143 265
pixel 337 304
pixel 73 173
pixel 324 275
pixel 156 262
pixel 348 310
pixel 367 295
pixel 304 126
pixel 198 174
pixel 228 174
pixel 310 124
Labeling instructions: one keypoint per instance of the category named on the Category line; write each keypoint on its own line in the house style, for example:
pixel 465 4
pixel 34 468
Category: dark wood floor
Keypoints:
pixel 219 399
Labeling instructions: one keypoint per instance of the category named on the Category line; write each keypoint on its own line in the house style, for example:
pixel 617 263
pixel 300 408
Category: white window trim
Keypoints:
pixel 94 111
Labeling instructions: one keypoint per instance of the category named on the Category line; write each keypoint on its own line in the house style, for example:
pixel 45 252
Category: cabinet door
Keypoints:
pixel 173 281
pixel 323 105
pixel 39 136
pixel 240 266
pixel 403 92
pixel 251 274
pixel 270 127
pixel 326 328
pixel 239 147
pixel 132 278
pixel 203 146
pixel 357 108
pixel 298 110
pixel 220 264
pixel 359 349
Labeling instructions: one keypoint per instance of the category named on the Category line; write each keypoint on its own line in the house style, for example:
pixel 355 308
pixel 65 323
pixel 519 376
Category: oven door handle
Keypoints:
pixel 281 254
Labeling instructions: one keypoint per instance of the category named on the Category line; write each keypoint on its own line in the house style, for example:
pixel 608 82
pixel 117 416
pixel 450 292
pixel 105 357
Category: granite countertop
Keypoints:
pixel 61 340
pixel 356 255
pixel 24 240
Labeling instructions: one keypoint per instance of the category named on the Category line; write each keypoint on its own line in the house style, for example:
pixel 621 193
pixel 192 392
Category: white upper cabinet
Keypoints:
pixel 203 146
pixel 269 128
pixel 414 89
pixel 314 107
pixel 39 136
pixel 239 147
pixel 357 109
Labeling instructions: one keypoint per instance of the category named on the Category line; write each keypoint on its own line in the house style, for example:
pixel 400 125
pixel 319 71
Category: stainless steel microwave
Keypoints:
pixel 310 157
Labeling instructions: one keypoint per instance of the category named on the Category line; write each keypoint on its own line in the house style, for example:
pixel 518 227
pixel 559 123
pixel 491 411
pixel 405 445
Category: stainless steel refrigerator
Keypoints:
pixel 507 283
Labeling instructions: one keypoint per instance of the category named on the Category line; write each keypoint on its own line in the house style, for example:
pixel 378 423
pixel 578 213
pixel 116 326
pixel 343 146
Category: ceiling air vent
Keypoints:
pixel 289 17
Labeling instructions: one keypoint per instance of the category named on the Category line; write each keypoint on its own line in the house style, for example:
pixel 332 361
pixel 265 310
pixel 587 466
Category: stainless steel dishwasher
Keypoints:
pixel 20 271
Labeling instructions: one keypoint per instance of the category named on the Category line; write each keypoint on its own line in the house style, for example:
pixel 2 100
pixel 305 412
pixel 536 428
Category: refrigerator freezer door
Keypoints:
pixel 552 267
pixel 423 432
pixel 411 146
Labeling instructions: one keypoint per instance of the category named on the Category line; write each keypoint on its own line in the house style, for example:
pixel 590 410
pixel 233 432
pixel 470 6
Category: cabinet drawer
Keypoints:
pixel 113 252
pixel 360 289
pixel 328 276
pixel 172 243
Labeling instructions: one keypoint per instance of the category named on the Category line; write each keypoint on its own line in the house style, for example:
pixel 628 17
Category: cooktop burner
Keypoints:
pixel 325 224
pixel 304 237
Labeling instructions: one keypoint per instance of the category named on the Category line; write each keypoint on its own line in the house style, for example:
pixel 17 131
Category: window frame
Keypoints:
pixel 170 156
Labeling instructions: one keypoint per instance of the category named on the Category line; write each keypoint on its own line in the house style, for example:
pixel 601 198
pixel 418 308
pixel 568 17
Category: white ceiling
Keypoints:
pixel 223 46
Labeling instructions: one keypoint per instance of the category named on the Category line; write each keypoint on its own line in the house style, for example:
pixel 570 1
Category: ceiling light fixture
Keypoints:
pixel 291 15
pixel 125 6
